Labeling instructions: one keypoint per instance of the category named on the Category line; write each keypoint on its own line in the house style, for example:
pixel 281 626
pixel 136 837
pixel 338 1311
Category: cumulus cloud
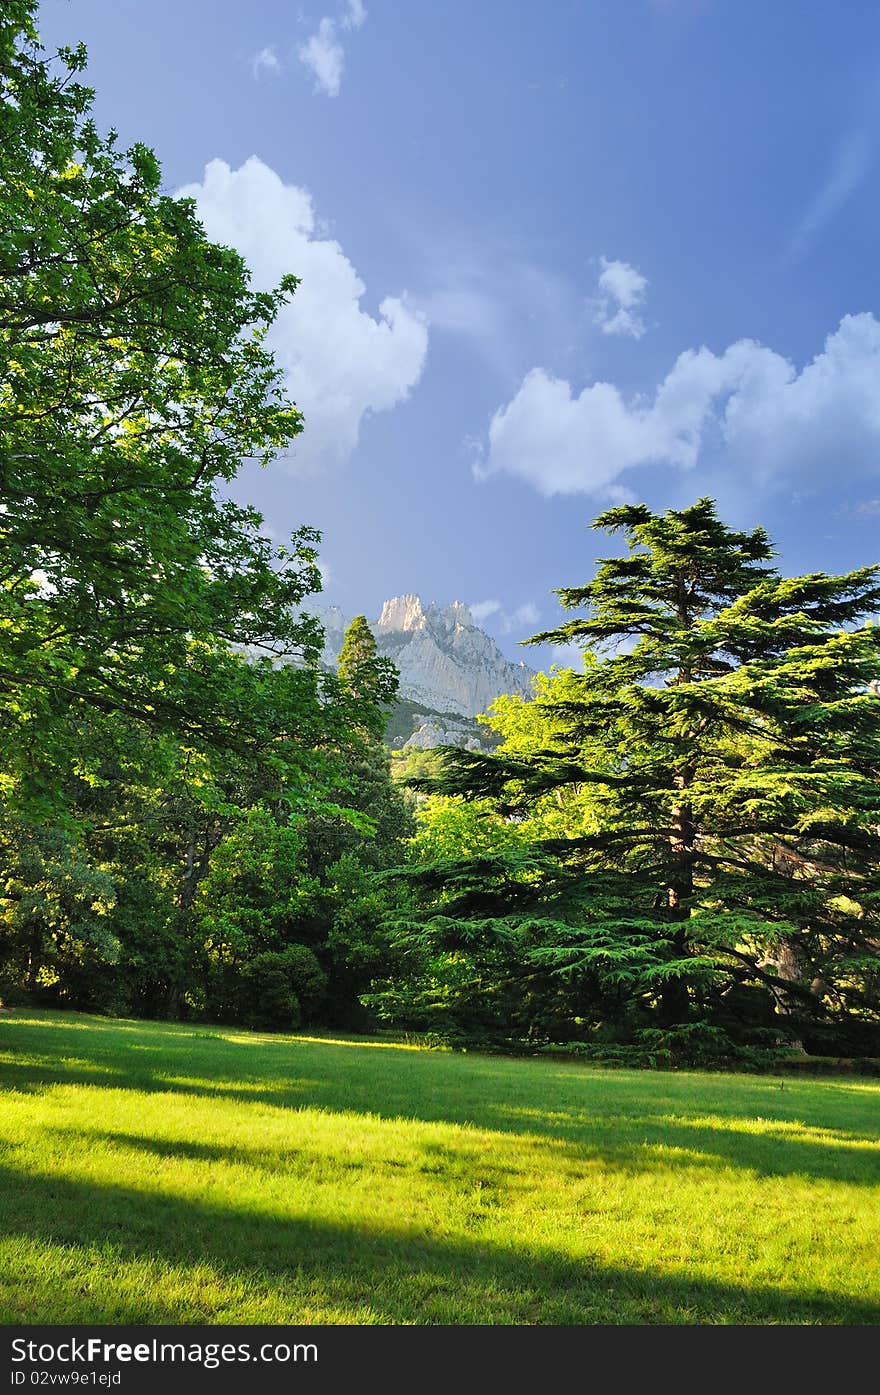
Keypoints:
pixel 621 293
pixel 323 53
pixel 749 408
pixel 340 362
pixel 266 61
pixel 506 620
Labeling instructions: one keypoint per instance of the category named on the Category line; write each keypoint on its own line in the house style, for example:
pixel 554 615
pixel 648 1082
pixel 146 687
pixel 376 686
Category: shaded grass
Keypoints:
pixel 164 1173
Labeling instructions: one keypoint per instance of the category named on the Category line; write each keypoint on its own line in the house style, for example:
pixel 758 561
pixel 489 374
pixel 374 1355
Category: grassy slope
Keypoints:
pixel 158 1173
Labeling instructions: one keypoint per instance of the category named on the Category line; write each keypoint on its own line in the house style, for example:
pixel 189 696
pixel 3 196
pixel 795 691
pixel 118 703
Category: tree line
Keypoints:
pixel 669 854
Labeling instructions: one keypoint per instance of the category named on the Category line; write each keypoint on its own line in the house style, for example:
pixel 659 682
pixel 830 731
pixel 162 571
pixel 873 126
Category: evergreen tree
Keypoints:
pixel 368 682
pixel 371 680
pixel 726 731
pixel 357 657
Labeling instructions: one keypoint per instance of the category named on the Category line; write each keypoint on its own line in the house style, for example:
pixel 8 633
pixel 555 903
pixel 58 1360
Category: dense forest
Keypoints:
pixel 669 854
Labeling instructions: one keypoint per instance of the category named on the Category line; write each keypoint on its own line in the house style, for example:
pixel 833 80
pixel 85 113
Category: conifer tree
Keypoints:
pixel 726 728
pixel 369 679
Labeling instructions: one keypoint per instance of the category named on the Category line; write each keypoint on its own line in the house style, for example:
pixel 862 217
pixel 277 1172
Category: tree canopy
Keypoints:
pixel 134 381
pixel 724 737
pixel 162 704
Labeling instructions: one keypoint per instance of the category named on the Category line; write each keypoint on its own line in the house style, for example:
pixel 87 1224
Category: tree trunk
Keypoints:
pixel 675 998
pixel 185 897
pixel 786 962
pixel 186 894
pixel 674 1002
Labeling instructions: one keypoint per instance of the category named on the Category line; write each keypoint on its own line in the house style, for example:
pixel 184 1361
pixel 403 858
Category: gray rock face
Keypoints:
pixel 440 732
pixel 446 662
pixel 335 625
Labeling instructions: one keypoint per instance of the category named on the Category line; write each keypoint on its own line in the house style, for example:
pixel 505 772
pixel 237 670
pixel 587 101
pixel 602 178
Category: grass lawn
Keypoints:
pixel 156 1173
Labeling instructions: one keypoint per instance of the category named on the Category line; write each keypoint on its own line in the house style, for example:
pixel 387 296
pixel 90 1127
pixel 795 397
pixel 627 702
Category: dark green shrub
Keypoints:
pixel 278 990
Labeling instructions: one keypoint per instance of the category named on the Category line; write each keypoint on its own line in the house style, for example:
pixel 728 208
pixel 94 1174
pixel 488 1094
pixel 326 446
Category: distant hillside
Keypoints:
pixel 412 724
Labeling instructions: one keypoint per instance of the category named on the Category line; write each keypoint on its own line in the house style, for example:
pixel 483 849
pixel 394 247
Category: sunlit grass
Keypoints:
pixel 164 1173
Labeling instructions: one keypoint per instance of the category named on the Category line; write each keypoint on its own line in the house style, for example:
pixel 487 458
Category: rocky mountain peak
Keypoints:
pixel 401 613
pixel 408 613
pixel 446 662
pixel 450 617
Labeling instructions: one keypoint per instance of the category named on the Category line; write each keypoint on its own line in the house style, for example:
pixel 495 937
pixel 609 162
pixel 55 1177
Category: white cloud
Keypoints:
pixel 470 299
pixel 266 61
pixel 526 614
pixel 340 362
pixel 482 610
pixel 355 15
pixel 323 53
pixel 748 407
pixel 622 291
pixel 506 621
pixel 850 166
pixel 567 656
pixel 464 287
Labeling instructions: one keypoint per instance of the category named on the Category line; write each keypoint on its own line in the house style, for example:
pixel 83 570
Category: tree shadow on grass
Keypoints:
pixel 634 1142
pixel 352 1270
pixel 31 1076
pixel 650 1148
pixel 782 1149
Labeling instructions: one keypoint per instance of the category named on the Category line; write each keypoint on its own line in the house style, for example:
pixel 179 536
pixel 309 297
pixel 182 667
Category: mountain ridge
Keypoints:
pixel 449 667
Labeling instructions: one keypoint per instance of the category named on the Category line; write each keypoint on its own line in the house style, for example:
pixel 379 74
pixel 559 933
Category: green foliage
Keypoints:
pixel 693 816
pixel 55 928
pixel 370 680
pixel 345 857
pixel 172 753
pixel 133 380
pixel 254 894
pixel 673 849
pixel 277 990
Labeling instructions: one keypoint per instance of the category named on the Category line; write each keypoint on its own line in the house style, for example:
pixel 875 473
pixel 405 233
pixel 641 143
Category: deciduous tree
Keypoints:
pixel 134 381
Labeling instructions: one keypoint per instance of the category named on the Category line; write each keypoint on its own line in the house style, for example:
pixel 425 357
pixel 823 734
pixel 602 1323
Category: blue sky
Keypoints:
pixel 551 257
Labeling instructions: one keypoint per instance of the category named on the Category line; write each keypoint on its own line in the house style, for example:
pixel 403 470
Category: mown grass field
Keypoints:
pixel 162 1173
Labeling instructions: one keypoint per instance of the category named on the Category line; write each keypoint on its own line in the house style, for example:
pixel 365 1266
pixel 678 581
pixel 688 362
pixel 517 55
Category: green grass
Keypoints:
pixel 157 1173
